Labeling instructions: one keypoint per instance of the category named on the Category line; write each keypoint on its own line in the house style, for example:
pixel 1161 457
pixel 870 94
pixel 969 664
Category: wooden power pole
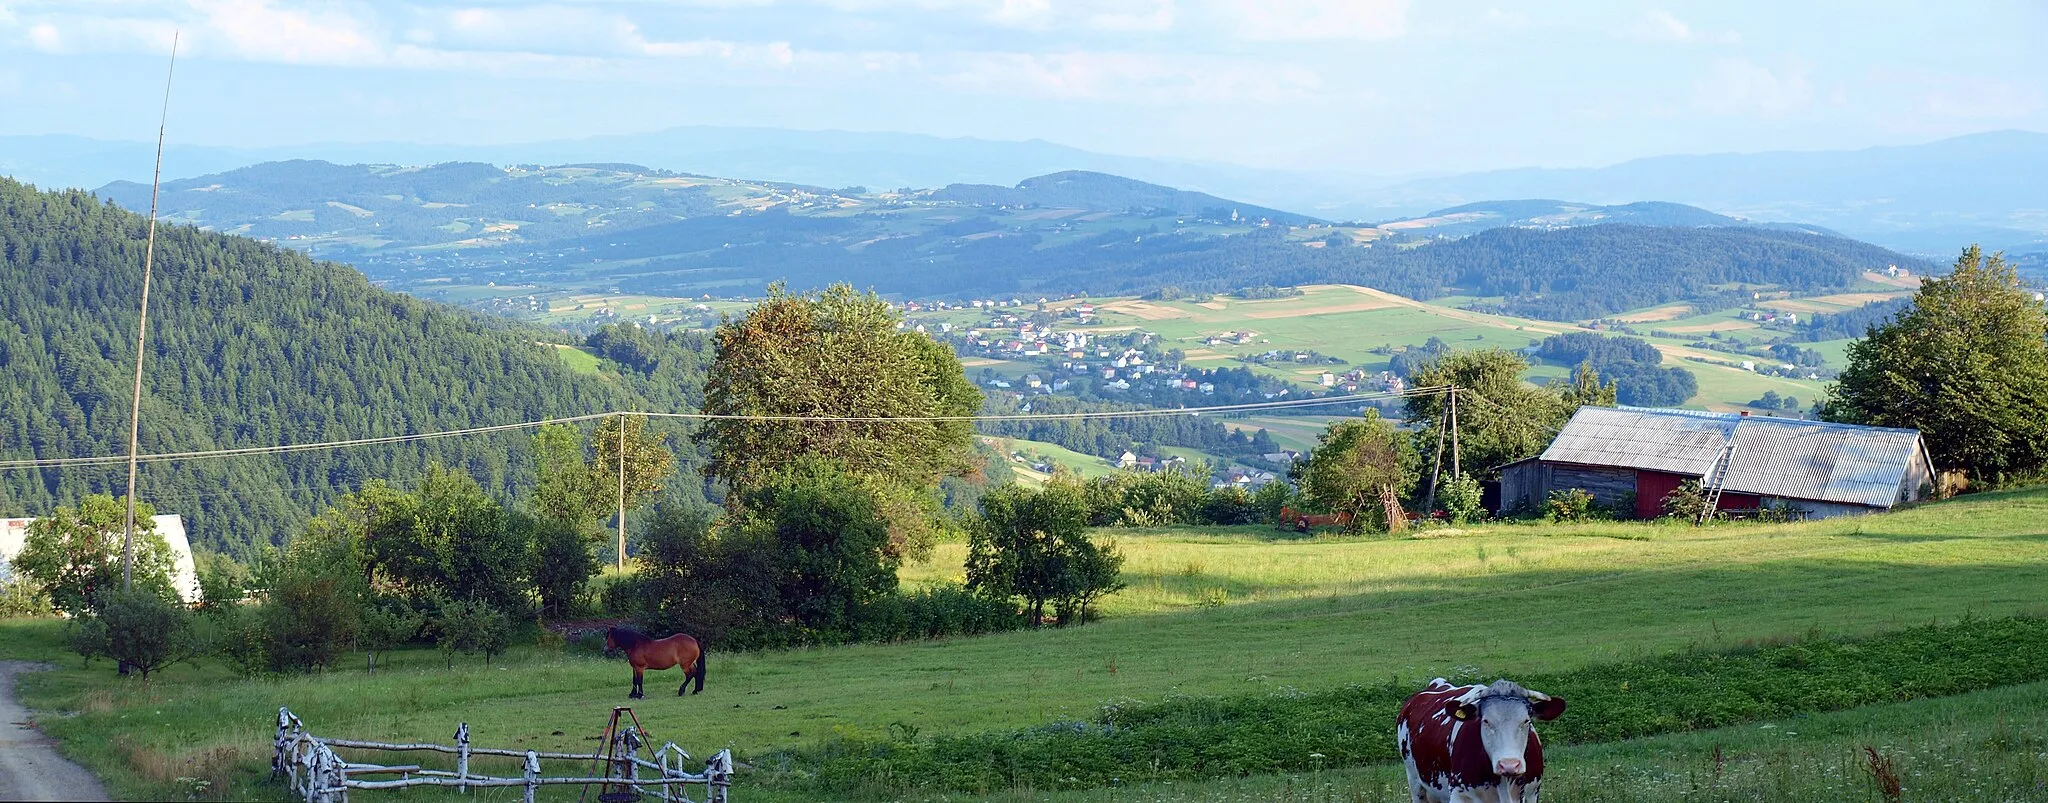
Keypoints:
pixel 142 328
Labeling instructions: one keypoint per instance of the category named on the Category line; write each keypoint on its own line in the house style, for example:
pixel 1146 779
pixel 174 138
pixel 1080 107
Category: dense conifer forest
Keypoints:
pixel 254 345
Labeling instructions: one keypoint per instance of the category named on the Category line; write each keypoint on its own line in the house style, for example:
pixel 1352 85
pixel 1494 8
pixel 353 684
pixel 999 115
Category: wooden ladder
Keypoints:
pixel 1716 481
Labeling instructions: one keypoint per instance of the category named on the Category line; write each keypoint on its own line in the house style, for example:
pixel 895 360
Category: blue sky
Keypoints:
pixel 1374 86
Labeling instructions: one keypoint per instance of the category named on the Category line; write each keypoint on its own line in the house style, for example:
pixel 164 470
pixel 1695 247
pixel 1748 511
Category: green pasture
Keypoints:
pixel 1299 433
pixel 1084 465
pixel 1980 746
pixel 580 360
pixel 1210 611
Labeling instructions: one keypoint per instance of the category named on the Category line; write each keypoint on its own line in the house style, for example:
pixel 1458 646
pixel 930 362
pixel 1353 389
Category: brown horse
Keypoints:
pixel 646 653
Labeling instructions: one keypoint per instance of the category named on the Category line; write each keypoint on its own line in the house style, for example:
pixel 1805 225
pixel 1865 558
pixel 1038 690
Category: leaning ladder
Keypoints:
pixel 1716 481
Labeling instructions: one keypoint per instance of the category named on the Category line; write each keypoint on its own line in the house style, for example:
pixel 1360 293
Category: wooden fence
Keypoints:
pixel 317 774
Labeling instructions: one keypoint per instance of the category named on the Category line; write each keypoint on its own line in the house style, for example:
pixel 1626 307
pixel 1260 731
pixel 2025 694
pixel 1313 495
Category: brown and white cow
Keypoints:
pixel 1474 744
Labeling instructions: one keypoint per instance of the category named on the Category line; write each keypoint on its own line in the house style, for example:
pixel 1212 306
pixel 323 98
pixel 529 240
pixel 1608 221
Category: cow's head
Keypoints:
pixel 1502 712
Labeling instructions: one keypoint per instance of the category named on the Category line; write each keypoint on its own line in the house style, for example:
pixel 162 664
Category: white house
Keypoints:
pixel 184 576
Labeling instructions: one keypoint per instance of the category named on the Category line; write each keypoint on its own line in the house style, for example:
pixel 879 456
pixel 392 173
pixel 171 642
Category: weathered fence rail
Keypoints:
pixel 317 774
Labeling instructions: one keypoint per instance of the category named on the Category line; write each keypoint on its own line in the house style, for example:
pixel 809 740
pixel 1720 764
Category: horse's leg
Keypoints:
pixel 636 683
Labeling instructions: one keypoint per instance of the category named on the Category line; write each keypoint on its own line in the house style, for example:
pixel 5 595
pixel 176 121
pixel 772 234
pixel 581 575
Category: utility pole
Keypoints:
pixel 142 327
pixel 622 494
pixel 1437 466
pixel 1455 470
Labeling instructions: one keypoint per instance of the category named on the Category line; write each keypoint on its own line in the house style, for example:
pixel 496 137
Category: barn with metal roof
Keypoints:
pixel 1632 456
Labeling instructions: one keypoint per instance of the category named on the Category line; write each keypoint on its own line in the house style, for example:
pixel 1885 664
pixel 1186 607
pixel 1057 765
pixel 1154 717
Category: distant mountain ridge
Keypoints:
pixel 1472 218
pixel 458 230
pixel 1103 192
pixel 1931 198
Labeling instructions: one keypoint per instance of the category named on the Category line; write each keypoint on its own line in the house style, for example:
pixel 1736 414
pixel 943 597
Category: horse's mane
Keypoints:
pixel 628 638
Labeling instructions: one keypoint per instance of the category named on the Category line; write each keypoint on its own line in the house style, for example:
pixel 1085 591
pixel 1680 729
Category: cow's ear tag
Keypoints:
pixel 1460 713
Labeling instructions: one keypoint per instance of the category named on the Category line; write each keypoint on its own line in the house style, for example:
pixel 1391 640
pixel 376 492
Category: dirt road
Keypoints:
pixel 30 768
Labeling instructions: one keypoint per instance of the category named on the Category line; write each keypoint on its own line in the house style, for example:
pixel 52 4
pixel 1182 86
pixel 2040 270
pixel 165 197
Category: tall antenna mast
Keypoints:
pixel 142 328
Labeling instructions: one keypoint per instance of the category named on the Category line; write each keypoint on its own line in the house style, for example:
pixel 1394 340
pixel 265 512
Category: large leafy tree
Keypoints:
pixel 835 354
pixel 75 554
pixel 1355 465
pixel 1966 365
pixel 1501 419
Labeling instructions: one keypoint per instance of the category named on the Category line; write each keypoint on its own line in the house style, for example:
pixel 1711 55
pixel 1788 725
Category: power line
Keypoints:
pixel 58 462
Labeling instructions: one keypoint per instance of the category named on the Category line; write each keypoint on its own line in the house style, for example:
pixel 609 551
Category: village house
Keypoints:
pixel 1632 457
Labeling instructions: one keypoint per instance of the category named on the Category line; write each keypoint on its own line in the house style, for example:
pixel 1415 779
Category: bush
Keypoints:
pixel 1270 499
pixel 561 562
pixel 937 612
pixel 1568 504
pixel 21 597
pixel 472 627
pixel 140 629
pixel 1686 502
pixel 1229 505
pixel 1461 500
pixel 387 626
pixel 1188 738
pixel 310 621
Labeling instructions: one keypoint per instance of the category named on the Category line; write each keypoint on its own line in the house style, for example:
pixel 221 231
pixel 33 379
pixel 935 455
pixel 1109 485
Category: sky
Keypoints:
pixel 1384 87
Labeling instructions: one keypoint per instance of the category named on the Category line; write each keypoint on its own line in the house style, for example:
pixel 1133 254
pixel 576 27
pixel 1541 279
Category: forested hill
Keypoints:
pixel 249 345
pixel 1081 189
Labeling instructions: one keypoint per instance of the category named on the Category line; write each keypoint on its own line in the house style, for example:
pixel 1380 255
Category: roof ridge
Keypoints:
pixel 1738 417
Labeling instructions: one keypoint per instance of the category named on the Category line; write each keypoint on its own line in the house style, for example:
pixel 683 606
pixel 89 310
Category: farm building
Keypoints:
pixel 184 578
pixel 1631 457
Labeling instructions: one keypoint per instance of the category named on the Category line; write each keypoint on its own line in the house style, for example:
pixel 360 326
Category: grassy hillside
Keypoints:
pixel 1209 612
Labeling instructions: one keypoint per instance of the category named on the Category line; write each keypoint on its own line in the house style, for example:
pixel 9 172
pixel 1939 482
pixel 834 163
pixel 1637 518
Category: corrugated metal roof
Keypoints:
pixel 1773 456
pixel 1640 438
pixel 1827 462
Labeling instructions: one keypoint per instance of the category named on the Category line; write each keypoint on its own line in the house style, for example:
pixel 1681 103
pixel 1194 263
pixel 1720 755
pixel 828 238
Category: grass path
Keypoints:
pixel 1207 612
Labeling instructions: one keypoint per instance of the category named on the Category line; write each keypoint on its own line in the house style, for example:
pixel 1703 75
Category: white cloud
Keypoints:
pixel 1739 86
pixel 1128 77
pixel 1283 20
pixel 1663 26
pixel 1504 19
pixel 1139 17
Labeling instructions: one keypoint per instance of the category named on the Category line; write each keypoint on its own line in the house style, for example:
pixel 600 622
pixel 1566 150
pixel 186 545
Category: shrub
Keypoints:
pixel 1229 505
pixel 1270 499
pixel 1568 504
pixel 472 627
pixel 21 597
pixel 1686 502
pixel 386 626
pixel 1034 545
pixel 310 621
pixel 561 562
pixel 1461 500
pixel 141 629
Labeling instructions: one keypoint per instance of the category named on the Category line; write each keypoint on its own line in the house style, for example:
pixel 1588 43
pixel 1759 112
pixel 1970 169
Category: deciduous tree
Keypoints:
pixel 1355 464
pixel 1966 365
pixel 74 554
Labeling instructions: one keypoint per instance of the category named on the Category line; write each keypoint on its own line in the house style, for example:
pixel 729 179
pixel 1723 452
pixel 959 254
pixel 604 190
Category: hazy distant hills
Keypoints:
pixel 1468 219
pixel 1081 189
pixel 1931 198
pixel 464 231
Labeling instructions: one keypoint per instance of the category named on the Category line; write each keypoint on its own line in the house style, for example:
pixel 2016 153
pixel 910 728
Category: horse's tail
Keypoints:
pixel 702 650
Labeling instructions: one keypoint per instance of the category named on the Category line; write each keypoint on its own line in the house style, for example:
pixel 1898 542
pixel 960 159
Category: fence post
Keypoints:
pixel 462 756
pixel 719 773
pixel 532 775
pixel 284 717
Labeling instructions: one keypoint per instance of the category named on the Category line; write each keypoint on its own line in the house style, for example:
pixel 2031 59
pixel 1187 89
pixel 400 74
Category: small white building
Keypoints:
pixel 184 574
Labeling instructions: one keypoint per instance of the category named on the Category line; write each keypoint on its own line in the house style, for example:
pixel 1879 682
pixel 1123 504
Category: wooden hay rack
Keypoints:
pixel 317 774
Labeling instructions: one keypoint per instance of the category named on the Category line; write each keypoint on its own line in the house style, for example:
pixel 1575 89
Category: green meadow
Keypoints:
pixel 1208 611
